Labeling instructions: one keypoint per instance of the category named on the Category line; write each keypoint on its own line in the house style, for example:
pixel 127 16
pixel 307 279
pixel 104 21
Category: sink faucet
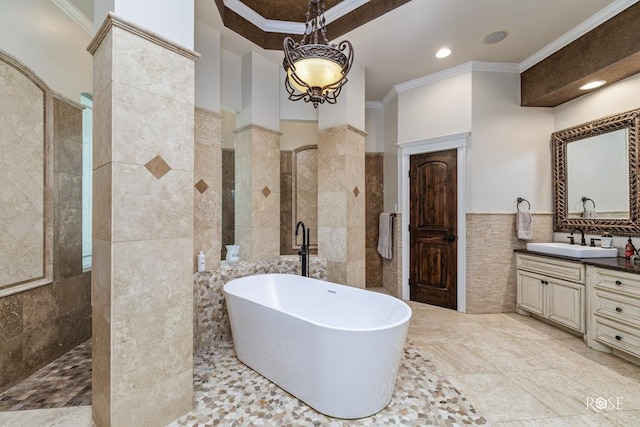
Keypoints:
pixel 583 242
pixel 304 249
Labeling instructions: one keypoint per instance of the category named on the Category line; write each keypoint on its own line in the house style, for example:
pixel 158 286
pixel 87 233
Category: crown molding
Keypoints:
pixel 493 67
pixel 575 33
pixel 288 27
pixel 373 105
pixel 75 14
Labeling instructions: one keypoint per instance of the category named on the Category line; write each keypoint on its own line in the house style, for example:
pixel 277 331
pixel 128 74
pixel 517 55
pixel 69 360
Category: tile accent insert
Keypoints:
pixel 356 191
pixel 266 191
pixel 158 167
pixel 201 186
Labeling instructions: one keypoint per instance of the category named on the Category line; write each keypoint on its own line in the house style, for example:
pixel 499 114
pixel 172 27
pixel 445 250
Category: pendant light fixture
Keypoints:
pixel 316 71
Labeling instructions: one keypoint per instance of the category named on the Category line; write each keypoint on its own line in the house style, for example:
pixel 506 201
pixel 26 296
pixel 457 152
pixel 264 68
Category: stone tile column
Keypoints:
pixel 207 225
pixel 257 196
pixel 142 282
pixel 341 204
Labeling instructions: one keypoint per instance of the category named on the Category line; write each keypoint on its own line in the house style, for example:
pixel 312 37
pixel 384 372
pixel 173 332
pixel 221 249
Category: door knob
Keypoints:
pixel 451 238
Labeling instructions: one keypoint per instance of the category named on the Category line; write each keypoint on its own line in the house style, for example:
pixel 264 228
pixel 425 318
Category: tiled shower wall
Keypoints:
pixel 286 203
pixel 373 183
pixel 227 199
pixel 39 325
pixel 22 105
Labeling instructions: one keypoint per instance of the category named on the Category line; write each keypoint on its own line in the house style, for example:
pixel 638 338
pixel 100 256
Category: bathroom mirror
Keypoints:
pixel 595 176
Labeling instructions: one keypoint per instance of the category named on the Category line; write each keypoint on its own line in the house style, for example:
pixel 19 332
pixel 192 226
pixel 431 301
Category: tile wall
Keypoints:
pixel 257 193
pixel 373 183
pixel 374 203
pixel 491 266
pixel 227 199
pixel 207 187
pixel 40 324
pixel 22 112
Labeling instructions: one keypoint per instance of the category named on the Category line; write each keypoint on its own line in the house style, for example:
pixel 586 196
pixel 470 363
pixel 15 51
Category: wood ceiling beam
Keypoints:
pixel 609 52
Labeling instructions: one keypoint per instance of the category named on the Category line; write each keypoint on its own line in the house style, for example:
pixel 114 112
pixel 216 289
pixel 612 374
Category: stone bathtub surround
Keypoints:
pixel 211 322
pixel 207 179
pixel 257 193
pixel 143 182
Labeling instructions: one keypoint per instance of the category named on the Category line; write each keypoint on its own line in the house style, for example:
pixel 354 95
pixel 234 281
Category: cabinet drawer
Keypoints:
pixel 567 270
pixel 617 336
pixel 617 307
pixel 617 281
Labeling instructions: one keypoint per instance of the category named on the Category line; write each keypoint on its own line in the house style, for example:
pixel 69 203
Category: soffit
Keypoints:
pixel 294 11
pixel 609 52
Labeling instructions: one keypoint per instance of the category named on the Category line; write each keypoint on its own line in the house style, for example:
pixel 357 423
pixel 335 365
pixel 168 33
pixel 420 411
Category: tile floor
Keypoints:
pixel 514 370
pixel 62 383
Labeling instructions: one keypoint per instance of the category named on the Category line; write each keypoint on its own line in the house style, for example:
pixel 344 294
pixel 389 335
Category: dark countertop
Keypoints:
pixel 619 263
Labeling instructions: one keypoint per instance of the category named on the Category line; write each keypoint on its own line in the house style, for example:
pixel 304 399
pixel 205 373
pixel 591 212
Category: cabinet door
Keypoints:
pixel 530 293
pixel 566 302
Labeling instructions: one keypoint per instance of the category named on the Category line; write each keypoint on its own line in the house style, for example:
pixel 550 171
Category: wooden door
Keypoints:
pixel 433 228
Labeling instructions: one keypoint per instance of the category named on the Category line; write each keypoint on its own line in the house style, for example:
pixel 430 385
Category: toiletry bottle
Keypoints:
pixel 201 262
pixel 606 240
pixel 629 249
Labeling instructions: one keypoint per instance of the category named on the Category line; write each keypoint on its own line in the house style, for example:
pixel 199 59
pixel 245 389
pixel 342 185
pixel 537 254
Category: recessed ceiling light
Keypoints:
pixel 495 37
pixel 443 53
pixel 592 85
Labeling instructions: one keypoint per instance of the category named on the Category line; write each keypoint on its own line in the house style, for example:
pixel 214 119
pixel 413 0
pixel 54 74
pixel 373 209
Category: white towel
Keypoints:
pixel 589 213
pixel 385 227
pixel 524 225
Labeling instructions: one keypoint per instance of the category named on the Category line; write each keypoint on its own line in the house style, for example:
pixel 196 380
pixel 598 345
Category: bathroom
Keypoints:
pixel 506 155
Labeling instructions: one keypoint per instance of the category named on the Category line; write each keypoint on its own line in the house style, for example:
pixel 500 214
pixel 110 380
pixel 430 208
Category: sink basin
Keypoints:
pixel 575 251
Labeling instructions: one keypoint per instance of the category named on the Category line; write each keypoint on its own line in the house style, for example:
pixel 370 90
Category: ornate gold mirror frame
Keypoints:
pixel 559 141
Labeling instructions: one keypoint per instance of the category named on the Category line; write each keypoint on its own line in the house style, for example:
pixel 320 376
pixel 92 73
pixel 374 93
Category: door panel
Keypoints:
pixel 433 228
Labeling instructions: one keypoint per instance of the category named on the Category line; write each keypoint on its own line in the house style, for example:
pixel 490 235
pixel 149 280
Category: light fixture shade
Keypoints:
pixel 316 72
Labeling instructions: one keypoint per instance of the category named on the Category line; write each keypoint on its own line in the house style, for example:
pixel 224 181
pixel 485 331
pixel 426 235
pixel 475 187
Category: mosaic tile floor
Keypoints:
pixel 64 382
pixel 230 394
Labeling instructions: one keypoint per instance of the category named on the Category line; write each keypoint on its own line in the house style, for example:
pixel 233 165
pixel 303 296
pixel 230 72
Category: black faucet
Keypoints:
pixel 304 249
pixel 583 242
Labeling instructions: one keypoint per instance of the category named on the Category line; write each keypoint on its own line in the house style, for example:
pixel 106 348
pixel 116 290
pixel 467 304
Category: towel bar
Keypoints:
pixel 585 200
pixel 520 200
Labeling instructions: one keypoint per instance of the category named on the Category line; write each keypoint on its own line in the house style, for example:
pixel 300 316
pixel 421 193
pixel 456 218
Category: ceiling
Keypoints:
pixel 399 45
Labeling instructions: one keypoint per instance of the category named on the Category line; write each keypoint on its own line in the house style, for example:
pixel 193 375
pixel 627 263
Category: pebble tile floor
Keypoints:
pixel 494 369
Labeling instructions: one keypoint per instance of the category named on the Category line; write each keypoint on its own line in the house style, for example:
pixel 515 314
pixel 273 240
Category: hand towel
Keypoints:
pixel 385 227
pixel 589 213
pixel 524 225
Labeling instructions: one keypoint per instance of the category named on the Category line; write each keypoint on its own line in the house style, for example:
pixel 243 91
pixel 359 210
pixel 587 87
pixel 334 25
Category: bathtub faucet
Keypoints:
pixel 304 249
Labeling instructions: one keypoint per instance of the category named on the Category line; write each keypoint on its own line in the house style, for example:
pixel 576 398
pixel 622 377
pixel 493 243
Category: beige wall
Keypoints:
pixel 22 144
pixel 41 323
pixel 207 177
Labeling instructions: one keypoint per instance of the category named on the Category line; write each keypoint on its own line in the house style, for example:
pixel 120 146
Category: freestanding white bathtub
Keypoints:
pixel 336 348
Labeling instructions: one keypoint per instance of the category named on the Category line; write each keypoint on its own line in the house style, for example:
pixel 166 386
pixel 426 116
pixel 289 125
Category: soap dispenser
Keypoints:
pixel 201 262
pixel 629 249
pixel 606 240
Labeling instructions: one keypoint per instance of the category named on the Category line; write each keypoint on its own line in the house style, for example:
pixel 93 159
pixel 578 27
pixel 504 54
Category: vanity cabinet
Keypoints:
pixel 615 311
pixel 553 289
